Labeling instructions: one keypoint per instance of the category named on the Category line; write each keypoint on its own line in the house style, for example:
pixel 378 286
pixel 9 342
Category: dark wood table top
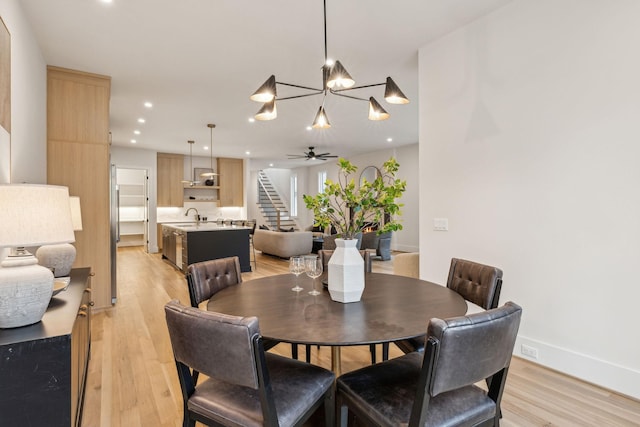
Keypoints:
pixel 392 308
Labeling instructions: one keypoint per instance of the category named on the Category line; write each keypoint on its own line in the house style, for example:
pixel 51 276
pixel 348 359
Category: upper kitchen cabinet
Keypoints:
pixel 78 157
pixel 170 175
pixel 231 178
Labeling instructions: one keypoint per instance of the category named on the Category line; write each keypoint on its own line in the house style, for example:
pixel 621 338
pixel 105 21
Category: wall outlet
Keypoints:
pixel 529 351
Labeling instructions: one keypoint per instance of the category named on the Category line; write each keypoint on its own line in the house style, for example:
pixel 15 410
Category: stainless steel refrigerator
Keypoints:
pixel 115 229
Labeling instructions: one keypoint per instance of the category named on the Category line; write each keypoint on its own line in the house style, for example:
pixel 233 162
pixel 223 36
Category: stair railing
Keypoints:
pixel 261 184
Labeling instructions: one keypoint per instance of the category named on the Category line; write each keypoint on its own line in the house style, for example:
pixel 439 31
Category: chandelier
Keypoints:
pixel 335 81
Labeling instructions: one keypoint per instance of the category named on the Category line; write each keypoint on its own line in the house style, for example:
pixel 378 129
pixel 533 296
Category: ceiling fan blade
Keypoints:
pixel 322 154
pixel 297 156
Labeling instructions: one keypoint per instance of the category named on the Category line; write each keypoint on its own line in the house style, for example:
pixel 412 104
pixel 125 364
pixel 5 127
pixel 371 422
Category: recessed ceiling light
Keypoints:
pixel 106 1
pixel 389 139
pixel 270 165
pixel 205 147
pixel 137 132
pixel 247 152
pixel 309 128
pixel 251 120
pixel 141 120
pixel 133 141
pixel 148 104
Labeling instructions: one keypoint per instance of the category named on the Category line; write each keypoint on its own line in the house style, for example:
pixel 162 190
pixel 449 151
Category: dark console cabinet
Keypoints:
pixel 43 366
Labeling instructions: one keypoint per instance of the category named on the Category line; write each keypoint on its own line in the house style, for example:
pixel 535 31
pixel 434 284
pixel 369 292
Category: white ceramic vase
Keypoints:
pixel 346 272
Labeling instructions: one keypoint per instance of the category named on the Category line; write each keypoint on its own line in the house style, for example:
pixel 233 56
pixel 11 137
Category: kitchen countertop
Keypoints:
pixel 202 226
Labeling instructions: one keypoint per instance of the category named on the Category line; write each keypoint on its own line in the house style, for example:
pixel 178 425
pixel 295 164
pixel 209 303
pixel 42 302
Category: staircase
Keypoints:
pixel 270 203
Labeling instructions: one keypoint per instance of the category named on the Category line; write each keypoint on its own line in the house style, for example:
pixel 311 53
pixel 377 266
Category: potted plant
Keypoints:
pixel 350 207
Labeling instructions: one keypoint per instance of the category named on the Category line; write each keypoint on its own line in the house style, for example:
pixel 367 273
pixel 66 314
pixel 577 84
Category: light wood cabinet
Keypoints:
pixel 231 178
pixel 78 157
pixel 170 171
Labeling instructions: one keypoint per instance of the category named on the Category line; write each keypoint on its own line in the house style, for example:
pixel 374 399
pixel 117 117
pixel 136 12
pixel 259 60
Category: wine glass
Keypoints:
pixel 313 268
pixel 296 266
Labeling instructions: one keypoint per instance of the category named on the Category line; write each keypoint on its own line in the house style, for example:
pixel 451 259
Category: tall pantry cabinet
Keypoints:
pixel 78 157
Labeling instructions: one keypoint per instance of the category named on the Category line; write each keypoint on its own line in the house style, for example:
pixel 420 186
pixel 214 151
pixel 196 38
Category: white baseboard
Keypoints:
pixel 617 378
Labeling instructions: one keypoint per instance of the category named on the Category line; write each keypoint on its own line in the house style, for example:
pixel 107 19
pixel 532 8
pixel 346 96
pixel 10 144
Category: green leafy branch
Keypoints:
pixel 350 207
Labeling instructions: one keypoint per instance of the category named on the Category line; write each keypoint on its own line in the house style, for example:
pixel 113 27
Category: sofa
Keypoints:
pixel 283 244
pixel 381 243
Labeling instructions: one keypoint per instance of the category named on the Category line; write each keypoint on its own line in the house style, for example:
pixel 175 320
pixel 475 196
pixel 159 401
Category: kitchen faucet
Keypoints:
pixel 197 214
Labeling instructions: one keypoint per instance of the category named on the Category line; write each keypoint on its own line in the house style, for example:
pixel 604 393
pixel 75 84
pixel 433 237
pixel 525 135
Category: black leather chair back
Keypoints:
pixel 472 348
pixel 224 343
pixel 478 283
pixel 207 278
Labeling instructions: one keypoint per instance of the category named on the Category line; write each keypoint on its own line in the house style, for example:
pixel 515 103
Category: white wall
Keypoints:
pixel 28 99
pixel 407 156
pixel 529 145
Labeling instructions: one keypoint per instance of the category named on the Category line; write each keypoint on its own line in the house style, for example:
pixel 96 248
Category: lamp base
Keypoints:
pixel 25 291
pixel 57 258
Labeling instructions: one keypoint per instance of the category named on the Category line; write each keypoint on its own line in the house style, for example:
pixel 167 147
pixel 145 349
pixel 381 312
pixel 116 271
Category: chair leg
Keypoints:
pixel 372 350
pixel 330 408
pixel 307 351
pixel 294 351
pixel 187 421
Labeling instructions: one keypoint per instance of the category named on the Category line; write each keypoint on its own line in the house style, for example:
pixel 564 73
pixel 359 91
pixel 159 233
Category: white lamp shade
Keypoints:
pixel 34 215
pixel 76 213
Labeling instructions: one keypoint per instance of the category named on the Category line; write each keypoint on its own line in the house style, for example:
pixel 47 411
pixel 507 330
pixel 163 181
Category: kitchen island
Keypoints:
pixel 188 243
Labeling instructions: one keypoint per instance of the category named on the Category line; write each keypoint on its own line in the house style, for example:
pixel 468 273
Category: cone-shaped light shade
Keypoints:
pixel 321 121
pixel 376 112
pixel 339 78
pixel 266 92
pixel 268 111
pixel 393 94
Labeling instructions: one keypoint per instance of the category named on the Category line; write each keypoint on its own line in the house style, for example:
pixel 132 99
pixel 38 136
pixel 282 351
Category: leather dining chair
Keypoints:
pixel 245 386
pixel 436 387
pixel 479 284
pixel 207 278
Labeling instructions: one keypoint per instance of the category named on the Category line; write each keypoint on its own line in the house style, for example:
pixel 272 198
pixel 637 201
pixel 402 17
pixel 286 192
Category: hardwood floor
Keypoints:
pixel 132 378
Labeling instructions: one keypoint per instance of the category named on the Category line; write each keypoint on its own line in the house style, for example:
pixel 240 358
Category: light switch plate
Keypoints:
pixel 440 224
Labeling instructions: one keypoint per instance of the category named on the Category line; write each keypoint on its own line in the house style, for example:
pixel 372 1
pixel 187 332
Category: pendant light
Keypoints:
pixel 209 175
pixel 191 172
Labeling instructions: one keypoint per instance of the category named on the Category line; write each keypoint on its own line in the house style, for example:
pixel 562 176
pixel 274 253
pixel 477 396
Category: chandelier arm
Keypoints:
pixel 299 96
pixel 349 96
pixel 334 91
pixel 300 87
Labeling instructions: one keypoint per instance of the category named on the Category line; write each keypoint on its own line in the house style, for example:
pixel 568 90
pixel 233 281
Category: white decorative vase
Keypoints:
pixel 346 272
pixel 25 291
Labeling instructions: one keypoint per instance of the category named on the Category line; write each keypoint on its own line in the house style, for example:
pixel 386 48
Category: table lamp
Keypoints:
pixel 30 215
pixel 60 258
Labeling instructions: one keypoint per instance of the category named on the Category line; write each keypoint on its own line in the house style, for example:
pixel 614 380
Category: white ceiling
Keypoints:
pixel 199 60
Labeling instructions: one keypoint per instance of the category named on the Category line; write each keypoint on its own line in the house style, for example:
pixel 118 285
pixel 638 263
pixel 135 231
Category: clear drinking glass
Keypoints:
pixel 296 266
pixel 313 268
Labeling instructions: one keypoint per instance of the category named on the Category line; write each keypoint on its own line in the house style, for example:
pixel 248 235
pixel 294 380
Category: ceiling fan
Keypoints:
pixel 311 155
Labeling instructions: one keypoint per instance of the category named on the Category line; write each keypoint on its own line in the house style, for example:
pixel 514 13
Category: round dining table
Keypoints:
pixel 392 308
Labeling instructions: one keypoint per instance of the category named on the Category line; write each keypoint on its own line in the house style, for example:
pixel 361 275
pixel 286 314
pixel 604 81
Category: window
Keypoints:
pixel 322 178
pixel 294 195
